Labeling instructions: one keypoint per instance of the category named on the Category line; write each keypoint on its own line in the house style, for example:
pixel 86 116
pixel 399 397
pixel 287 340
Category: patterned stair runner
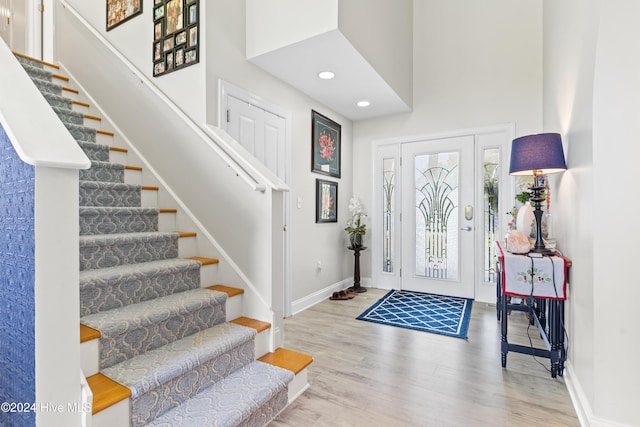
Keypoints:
pixel 161 334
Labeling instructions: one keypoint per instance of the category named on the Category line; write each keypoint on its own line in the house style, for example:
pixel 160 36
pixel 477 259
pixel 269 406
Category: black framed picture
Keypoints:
pixel 326 201
pixel 119 11
pixel 325 145
pixel 176 41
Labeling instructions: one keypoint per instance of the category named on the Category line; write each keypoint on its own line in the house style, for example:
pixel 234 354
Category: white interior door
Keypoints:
pixel 261 128
pixel 6 22
pixel 261 132
pixel 438 216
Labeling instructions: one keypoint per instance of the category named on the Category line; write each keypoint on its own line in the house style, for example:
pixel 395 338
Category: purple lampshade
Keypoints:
pixel 541 152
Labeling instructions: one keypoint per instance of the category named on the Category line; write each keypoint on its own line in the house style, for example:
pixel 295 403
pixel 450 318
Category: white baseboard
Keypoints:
pixel 304 303
pixel 581 403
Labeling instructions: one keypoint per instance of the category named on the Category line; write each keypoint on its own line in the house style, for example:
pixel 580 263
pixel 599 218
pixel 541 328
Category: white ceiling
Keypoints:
pixel 299 64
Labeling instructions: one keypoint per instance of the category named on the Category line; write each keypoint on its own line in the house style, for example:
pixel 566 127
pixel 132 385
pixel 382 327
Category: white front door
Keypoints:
pixel 438 216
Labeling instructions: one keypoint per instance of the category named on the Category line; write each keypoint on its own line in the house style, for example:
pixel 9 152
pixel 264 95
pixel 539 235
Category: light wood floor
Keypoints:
pixel 365 374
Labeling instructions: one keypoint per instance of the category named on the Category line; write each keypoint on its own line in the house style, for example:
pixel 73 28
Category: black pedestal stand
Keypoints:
pixel 356 270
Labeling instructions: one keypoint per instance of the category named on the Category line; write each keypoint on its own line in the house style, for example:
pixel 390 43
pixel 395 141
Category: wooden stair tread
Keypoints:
pixel 88 334
pixel 90 117
pixel 168 210
pixel 105 132
pixel 68 89
pixel 133 168
pixel 106 392
pixel 205 261
pixel 150 187
pixel 187 234
pixel 37 60
pixel 287 359
pixel 258 325
pixel 84 104
pixel 59 77
pixel 120 149
pixel 230 291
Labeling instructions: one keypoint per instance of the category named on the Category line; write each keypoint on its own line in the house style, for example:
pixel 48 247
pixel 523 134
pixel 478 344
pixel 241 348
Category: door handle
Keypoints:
pixel 467 228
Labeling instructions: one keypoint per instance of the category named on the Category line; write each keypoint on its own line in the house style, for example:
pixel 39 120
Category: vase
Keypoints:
pixel 356 240
pixel 526 221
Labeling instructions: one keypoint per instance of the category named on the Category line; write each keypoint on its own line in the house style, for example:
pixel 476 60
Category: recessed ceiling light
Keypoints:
pixel 363 104
pixel 326 75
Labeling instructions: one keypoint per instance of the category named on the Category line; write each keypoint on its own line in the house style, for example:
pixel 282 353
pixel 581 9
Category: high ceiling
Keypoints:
pixel 355 79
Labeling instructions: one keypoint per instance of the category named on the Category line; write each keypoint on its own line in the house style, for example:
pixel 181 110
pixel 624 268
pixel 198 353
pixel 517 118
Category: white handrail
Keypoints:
pixel 47 144
pixel 258 180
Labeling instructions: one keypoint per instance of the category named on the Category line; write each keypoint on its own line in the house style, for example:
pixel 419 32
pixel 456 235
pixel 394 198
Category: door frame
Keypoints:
pixel 226 89
pixel 498 136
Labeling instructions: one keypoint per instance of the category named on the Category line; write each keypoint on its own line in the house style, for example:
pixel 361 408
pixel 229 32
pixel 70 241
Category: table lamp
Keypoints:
pixel 537 155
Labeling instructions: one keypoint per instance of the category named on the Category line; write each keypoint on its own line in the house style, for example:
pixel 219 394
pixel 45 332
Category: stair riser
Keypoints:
pixel 95 152
pixel 148 337
pixel 29 62
pixel 267 412
pixel 169 395
pixel 69 117
pixel 122 221
pixel 38 73
pixel 82 133
pixel 103 173
pixel 58 101
pixel 48 87
pixel 90 350
pixel 112 196
pixel 100 294
pixel 98 253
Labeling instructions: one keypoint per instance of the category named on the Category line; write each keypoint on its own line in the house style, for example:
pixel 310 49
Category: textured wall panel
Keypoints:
pixel 17 279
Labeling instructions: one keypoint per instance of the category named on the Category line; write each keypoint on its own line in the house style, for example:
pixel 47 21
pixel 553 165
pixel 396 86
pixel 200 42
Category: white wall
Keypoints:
pixel 382 33
pixel 615 152
pixel 591 94
pixel 134 39
pixel 475 64
pixel 195 90
pixel 269 29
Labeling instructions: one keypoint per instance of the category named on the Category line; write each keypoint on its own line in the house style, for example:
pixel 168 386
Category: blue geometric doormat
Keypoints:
pixel 437 314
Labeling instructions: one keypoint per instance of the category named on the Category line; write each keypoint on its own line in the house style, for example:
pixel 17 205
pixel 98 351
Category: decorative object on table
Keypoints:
pixel 325 145
pixel 518 242
pixel 537 155
pixel 437 314
pixel 175 35
pixel 326 201
pixel 120 11
pixel 356 229
pixel 525 220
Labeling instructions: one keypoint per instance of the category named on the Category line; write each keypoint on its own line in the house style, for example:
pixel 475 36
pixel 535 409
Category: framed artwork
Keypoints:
pixel 325 145
pixel 119 11
pixel 326 201
pixel 176 41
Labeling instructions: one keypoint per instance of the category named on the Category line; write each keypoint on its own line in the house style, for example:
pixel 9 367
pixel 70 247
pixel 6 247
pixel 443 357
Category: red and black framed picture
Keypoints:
pixel 325 145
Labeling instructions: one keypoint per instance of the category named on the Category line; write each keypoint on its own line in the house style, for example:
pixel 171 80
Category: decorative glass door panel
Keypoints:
pixel 439 216
pixel 436 218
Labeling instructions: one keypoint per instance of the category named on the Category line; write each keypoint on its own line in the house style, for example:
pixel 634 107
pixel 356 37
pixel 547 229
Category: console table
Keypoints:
pixel 541 282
